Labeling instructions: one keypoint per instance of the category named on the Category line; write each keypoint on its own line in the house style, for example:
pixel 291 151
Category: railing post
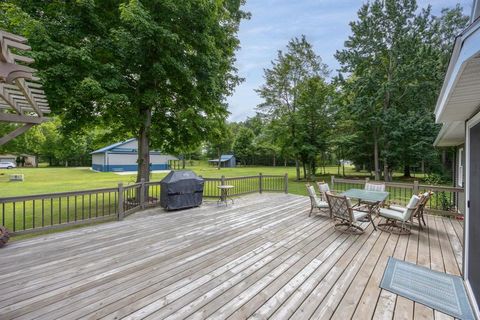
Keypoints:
pixel 286 182
pixel 415 187
pixel 260 182
pixel 120 201
pixel 142 193
pixel 332 183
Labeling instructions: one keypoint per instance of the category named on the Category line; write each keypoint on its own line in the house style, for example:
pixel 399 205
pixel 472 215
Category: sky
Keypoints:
pixel 275 22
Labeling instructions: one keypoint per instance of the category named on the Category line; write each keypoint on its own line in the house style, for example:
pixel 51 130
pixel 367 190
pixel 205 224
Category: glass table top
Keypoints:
pixel 372 196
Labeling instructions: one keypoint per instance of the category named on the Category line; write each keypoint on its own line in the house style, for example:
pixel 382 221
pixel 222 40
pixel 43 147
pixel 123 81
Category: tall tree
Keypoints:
pixel 281 89
pixel 243 145
pixel 158 70
pixel 394 60
pixel 314 119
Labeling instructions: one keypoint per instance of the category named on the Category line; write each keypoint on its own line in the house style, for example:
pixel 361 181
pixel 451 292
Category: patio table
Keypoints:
pixel 372 199
pixel 224 189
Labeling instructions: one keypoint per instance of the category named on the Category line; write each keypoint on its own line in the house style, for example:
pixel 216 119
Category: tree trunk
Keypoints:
pixel 406 172
pixel 343 168
pixel 274 160
pixel 183 162
pixel 386 175
pixel 144 146
pixel 304 170
pixel 297 168
pixel 423 166
pixel 219 156
pixel 375 156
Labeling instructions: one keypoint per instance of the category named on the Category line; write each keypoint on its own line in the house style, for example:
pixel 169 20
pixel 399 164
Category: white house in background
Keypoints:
pixel 122 156
pixel 458 109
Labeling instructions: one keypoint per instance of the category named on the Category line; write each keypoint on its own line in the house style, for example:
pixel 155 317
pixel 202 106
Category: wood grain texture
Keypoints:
pixel 261 258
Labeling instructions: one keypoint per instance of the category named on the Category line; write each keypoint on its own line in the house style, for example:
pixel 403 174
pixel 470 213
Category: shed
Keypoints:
pixel 28 160
pixel 226 161
pixel 122 156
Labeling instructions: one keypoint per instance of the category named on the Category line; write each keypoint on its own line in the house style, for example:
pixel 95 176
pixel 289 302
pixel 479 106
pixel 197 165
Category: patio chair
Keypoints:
pixel 315 201
pixel 375 187
pixel 421 206
pixel 380 187
pixel 341 209
pixel 323 188
pixel 397 217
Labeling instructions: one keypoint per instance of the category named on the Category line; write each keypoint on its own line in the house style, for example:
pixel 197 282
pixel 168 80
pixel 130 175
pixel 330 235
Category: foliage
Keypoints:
pixel 157 70
pixel 392 69
pixel 243 145
pixel 281 91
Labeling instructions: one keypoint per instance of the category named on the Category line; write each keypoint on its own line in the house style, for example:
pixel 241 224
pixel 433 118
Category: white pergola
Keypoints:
pixel 22 99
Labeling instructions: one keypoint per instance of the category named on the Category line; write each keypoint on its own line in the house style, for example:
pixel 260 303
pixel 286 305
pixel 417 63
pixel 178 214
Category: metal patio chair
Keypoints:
pixel 315 201
pixel 341 209
pixel 397 217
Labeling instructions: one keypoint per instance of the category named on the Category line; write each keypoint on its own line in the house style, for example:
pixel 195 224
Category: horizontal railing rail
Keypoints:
pixel 445 200
pixel 246 184
pixel 22 214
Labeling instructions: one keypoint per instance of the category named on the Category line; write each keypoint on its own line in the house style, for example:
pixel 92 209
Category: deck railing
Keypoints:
pixel 446 200
pixel 45 211
pixel 246 185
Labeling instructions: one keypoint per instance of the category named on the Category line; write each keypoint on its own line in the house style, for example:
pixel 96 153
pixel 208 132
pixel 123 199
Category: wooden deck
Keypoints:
pixel 262 258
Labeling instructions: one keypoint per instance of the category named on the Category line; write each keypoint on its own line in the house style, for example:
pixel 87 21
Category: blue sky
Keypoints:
pixel 275 22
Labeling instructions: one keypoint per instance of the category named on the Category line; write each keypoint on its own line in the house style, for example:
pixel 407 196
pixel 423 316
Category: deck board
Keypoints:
pixel 261 258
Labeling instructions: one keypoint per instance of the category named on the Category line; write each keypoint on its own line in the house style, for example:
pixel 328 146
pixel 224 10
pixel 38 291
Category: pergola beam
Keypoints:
pixel 22 100
pixel 8 117
pixel 15 133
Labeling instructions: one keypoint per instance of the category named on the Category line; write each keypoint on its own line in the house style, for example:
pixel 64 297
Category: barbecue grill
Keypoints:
pixel 180 190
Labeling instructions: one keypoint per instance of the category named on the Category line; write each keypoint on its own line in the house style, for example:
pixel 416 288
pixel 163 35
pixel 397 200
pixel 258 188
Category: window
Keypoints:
pixel 460 168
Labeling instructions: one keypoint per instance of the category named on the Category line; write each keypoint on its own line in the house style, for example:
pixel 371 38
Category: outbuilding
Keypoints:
pixel 226 161
pixel 122 156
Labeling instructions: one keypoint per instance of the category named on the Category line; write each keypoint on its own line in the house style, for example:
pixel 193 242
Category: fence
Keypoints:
pixel 446 200
pixel 45 211
pixel 246 185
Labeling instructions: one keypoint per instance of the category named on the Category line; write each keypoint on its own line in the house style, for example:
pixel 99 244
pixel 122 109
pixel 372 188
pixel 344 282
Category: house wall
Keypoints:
pixel 98 161
pixel 128 162
pixel 130 145
pixel 8 157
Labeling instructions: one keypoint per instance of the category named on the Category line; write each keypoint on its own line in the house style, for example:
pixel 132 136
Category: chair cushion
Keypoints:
pixel 320 204
pixel 413 202
pixel 392 214
pixel 374 187
pixel 397 208
pixel 359 215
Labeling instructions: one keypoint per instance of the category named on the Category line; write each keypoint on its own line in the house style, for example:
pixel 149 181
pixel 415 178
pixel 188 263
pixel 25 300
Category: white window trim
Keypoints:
pixel 461 154
pixel 471 123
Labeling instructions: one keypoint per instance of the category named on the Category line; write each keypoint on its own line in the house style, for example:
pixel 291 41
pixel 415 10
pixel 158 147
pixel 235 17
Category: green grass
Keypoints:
pixel 50 180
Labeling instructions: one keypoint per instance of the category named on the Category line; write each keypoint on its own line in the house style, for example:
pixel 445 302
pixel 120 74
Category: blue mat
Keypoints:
pixel 437 290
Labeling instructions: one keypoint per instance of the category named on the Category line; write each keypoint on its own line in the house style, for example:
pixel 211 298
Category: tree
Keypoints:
pixel 221 140
pixel 281 89
pixel 158 70
pixel 395 62
pixel 243 145
pixel 314 121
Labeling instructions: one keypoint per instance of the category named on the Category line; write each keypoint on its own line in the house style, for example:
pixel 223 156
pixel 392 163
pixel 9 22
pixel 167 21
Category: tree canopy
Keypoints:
pixel 157 70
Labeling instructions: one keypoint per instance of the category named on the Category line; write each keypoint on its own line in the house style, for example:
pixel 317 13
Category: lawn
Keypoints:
pixel 50 180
